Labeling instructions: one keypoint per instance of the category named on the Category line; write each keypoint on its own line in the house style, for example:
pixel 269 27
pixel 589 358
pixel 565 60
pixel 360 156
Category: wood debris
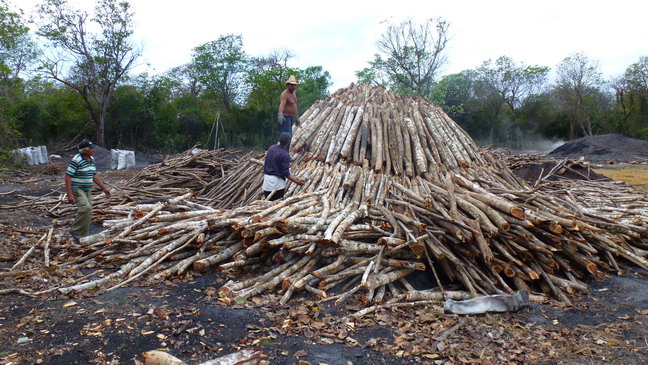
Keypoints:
pixel 394 186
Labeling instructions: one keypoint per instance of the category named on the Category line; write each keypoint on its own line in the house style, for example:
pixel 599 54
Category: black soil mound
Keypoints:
pixel 575 171
pixel 606 147
pixel 103 159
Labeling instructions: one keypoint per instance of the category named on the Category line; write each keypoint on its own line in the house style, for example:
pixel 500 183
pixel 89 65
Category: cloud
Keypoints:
pixel 340 35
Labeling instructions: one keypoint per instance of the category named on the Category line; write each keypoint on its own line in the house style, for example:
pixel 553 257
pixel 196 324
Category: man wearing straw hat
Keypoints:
pixel 79 176
pixel 288 108
pixel 276 169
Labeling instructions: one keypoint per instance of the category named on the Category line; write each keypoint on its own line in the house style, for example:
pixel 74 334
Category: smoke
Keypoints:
pixel 517 140
pixel 540 145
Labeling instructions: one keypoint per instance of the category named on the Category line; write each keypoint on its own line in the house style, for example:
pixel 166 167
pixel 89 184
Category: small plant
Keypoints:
pixel 53 169
pixel 11 160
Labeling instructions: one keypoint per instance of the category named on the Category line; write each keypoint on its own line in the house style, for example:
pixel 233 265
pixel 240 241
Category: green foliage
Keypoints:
pixel 266 80
pixel 512 83
pixel 631 91
pixel 221 66
pixel 579 80
pixel 410 57
pixel 313 85
pixel 642 134
pixel 374 73
pixel 17 49
pixel 90 63
pixel 453 92
pixel 51 115
pixel 500 102
pixel 194 120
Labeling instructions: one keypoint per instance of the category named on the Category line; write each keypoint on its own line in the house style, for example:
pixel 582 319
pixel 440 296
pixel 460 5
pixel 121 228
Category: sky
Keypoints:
pixel 340 35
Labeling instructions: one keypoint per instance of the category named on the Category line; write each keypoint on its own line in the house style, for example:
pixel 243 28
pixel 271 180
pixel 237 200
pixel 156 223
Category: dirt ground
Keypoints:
pixel 186 318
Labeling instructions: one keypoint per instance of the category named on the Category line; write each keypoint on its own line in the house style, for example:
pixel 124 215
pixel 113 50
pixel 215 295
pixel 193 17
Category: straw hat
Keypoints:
pixel 291 80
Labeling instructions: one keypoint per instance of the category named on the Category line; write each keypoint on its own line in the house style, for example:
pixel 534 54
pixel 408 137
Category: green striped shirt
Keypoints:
pixel 81 171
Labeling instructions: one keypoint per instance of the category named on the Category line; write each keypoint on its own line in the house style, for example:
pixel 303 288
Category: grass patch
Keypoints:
pixel 634 175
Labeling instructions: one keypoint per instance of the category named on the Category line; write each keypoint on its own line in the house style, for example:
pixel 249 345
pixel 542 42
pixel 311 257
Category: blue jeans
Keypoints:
pixel 286 126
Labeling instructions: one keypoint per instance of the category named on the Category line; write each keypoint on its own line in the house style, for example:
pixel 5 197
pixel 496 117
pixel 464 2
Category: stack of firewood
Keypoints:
pixel 393 186
pixel 195 170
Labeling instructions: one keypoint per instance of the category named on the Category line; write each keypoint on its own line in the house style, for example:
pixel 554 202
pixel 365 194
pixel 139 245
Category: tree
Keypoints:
pixel 183 80
pixel 621 87
pixel 514 83
pixel 578 82
pixel 266 77
pixel 313 85
pixel 411 56
pixel 221 67
pixel 453 93
pixel 91 63
pixel 637 74
pixel 17 49
pixel 631 92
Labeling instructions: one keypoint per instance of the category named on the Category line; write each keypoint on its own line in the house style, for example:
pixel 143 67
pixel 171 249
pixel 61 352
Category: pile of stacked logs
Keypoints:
pixel 393 186
pixel 195 170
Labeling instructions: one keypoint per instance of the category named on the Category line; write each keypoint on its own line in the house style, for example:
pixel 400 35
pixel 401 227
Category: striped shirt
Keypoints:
pixel 82 172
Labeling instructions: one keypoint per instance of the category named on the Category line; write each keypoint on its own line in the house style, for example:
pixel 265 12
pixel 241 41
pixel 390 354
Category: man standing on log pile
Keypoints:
pixel 276 169
pixel 79 176
pixel 288 108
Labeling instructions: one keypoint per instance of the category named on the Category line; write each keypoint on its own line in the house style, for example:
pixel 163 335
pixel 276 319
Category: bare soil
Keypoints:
pixel 185 317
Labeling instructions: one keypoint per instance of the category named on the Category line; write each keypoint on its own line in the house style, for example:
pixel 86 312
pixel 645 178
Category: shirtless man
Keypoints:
pixel 288 108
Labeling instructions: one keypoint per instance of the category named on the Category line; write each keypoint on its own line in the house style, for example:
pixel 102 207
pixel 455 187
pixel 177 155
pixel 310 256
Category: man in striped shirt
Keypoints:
pixel 79 176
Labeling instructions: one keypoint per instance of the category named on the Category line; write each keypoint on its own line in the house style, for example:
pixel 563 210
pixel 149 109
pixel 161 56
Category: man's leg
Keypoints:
pixel 81 223
pixel 286 127
pixel 278 194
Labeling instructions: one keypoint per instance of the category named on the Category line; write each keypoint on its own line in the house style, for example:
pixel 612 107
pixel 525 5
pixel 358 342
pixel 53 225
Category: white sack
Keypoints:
pixel 130 159
pixel 121 161
pixel 27 151
pixel 114 159
pixel 42 154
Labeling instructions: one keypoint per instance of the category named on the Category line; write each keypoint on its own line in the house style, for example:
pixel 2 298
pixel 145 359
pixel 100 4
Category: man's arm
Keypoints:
pixel 296 110
pixel 282 104
pixel 283 99
pixel 98 181
pixel 68 189
pixel 296 180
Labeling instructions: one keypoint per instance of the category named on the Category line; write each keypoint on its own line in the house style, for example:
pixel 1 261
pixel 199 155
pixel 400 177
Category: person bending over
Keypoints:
pixel 276 169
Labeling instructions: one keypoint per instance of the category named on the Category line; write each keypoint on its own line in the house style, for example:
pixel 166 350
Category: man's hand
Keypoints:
pixel 71 199
pixel 280 118
pixel 296 180
pixel 106 191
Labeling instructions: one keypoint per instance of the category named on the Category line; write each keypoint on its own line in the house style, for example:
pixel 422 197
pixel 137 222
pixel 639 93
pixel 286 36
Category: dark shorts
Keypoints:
pixel 277 194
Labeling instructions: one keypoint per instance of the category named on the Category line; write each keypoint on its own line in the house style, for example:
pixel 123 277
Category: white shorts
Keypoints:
pixel 270 182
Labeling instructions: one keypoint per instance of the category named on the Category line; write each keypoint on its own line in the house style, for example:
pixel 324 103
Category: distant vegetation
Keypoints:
pixel 57 87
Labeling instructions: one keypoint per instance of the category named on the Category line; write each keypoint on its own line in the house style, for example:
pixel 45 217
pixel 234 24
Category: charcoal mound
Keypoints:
pixel 606 147
pixel 103 159
pixel 572 171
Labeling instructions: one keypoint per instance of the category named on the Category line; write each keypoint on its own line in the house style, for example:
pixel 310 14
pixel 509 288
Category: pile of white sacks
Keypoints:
pixel 122 159
pixel 33 155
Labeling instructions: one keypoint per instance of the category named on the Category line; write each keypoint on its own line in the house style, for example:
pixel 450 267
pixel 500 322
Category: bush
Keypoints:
pixel 643 134
pixel 9 160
